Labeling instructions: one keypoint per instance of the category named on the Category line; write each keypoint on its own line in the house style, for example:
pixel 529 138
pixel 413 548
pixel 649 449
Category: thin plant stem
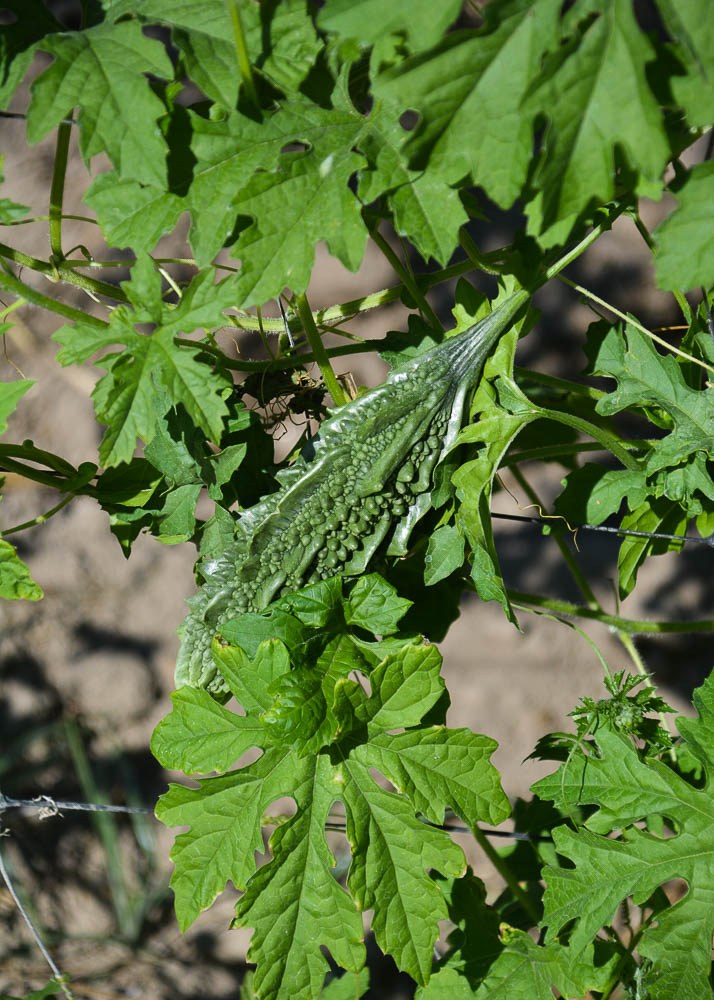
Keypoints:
pixel 318 350
pixel 564 385
pixel 13 284
pixel 598 433
pixel 55 273
pixel 633 322
pixel 570 255
pixel 61 981
pixel 59 172
pixel 11 308
pixel 632 626
pixel 506 874
pixel 40 519
pixel 409 283
pixel 44 218
pixel 246 72
pixel 479 260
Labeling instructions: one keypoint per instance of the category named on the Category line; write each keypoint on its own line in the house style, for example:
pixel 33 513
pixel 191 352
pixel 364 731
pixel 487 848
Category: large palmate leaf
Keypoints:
pixel 320 754
pixel 369 20
pixel 692 28
pixel 19 42
pixel 685 245
pixel 425 207
pixel 470 84
pixel 606 55
pixel 280 38
pixel 124 398
pixel 627 790
pixel 102 70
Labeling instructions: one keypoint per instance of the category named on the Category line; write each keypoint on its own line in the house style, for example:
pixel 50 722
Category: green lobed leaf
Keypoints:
pixel 280 38
pixel 124 397
pixel 19 42
pixel 132 214
pixel 664 516
pixel 691 26
pixel 606 55
pixel 10 395
pixel 645 378
pixel 306 200
pixel 528 971
pixel 426 209
pixel 444 554
pixel 470 84
pixel 294 902
pixel 101 70
pixel 684 241
pixel 15 580
pixel 593 493
pixel 375 605
pixel 369 21
pixel 200 735
pixel 626 789
pixel 405 685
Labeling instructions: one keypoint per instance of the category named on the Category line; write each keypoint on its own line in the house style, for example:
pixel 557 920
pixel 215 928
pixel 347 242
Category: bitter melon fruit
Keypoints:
pixel 364 480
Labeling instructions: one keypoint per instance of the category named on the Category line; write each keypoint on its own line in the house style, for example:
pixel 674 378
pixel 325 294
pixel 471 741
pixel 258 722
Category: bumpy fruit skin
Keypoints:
pixel 366 476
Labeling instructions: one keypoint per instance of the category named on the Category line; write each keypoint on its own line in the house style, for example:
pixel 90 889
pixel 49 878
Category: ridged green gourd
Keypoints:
pixel 364 480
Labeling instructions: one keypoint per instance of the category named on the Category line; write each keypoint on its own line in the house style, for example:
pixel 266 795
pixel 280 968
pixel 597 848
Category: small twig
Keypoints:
pixel 35 933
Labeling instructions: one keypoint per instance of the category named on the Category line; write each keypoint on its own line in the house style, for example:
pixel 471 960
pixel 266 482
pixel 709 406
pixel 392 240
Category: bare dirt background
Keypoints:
pixel 85 674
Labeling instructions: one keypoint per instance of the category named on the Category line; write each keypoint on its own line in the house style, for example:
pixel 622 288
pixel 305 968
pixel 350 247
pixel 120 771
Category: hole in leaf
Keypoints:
pixel 295 147
pixel 409 120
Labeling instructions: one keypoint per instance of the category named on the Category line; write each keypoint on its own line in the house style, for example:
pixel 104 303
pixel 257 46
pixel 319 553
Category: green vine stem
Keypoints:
pixel 506 874
pixel 246 72
pixel 318 350
pixel 555 452
pixel 13 284
pixel 407 279
pixel 561 384
pixel 57 191
pixel 592 430
pixel 633 322
pixel 632 626
pixel 40 519
pixel 55 273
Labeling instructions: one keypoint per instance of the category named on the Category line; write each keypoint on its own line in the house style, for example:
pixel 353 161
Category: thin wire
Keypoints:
pixel 54 807
pixel 33 930
pixel 614 531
